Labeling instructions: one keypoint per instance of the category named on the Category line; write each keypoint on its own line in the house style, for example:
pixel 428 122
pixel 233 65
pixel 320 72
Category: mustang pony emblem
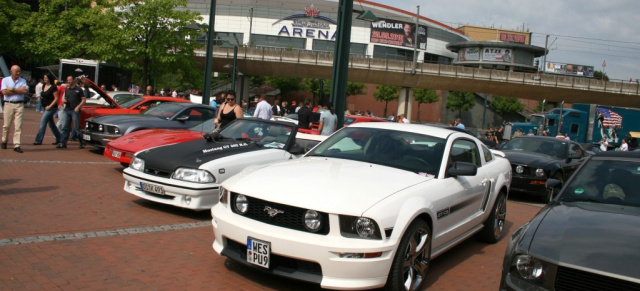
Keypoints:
pixel 272 211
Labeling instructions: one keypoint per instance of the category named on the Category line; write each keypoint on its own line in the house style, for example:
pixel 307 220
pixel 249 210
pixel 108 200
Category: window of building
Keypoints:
pixel 261 40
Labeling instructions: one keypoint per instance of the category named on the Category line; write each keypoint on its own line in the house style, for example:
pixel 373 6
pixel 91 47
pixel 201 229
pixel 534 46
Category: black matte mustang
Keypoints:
pixel 174 115
pixel 534 159
pixel 587 239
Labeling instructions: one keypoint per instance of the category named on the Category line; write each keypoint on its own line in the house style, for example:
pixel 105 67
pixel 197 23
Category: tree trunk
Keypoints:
pixel 385 108
pixel 419 111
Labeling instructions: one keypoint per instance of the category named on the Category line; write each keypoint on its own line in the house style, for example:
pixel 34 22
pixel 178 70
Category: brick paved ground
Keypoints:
pixel 66 224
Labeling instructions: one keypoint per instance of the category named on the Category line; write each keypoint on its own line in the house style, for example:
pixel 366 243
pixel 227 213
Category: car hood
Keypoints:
pixel 192 154
pixel 596 236
pixel 324 184
pixel 120 119
pixel 529 158
pixel 102 93
pixel 144 139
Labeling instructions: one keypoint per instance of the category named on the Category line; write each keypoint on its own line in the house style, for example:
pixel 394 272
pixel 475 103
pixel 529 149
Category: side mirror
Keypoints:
pixel 574 155
pixel 553 184
pixel 182 118
pixel 462 169
pixel 296 150
pixel 143 108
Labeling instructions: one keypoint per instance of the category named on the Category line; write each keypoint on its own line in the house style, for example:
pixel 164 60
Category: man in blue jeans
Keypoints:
pixel 73 101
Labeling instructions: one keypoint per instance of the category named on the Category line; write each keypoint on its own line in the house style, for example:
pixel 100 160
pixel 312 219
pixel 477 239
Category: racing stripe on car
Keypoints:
pixel 445 212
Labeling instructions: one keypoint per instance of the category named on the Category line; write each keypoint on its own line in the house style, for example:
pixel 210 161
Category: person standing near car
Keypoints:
pixel 38 95
pixel 304 115
pixel 229 111
pixel 73 99
pixel 328 120
pixel 14 89
pixel 49 99
pixel 61 89
pixel 263 109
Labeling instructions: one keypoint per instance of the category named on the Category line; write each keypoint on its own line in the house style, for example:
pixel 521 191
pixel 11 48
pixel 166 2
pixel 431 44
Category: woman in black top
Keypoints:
pixel 229 111
pixel 49 99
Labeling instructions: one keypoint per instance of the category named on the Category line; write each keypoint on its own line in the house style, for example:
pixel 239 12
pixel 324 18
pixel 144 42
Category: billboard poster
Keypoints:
pixel 469 54
pixel 510 37
pixel 398 33
pixel 569 69
pixel 493 54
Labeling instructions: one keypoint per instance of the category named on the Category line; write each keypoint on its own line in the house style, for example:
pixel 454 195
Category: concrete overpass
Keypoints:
pixel 310 64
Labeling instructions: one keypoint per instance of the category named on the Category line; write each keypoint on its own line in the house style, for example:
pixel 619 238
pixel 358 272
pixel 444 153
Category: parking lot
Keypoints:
pixel 66 223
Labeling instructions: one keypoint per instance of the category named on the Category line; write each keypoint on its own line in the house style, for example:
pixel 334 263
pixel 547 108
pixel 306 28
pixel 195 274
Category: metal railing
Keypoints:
pixel 390 65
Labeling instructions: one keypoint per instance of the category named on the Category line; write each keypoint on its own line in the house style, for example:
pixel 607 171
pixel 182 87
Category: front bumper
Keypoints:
pixel 529 185
pixel 178 193
pixel 308 257
pixel 98 139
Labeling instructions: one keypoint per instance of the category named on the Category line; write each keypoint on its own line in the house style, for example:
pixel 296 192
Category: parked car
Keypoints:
pixel 125 103
pixel 587 238
pixel 385 199
pixel 123 148
pixel 534 159
pixel 173 115
pixel 351 119
pixel 189 174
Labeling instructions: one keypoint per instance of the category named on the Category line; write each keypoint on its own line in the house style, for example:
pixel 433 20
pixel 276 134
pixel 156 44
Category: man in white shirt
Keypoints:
pixel 14 89
pixel 263 109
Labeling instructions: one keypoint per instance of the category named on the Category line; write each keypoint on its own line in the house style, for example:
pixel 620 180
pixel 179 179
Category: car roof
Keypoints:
pixel 415 128
pixel 618 154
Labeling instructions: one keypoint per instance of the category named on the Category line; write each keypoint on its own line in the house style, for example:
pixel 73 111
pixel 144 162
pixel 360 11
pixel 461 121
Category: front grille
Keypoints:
pixel 312 271
pixel 572 279
pixel 158 173
pixel 527 171
pixel 92 126
pixel 292 217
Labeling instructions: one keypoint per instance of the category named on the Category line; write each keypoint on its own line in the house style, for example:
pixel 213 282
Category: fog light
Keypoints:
pixel 312 220
pixel 242 204
pixel 540 172
pixel 187 200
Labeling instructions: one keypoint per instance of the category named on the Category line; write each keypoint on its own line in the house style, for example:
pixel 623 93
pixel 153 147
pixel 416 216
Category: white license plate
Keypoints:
pixel 151 188
pixel 86 137
pixel 116 154
pixel 258 252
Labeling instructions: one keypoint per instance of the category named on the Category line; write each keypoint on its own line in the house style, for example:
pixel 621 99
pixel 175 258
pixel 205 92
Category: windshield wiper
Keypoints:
pixel 579 199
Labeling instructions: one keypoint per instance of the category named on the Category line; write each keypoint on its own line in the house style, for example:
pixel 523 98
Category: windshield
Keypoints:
pixel 605 181
pixel 121 98
pixel 165 110
pixel 537 119
pixel 348 120
pixel 413 152
pixel 551 147
pixel 207 126
pixel 129 101
pixel 263 133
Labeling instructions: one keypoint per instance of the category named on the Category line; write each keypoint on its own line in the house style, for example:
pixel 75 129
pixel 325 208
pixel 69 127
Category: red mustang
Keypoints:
pixel 122 149
pixel 129 105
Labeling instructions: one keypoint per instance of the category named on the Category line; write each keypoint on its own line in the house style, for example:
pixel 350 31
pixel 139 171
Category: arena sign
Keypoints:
pixel 308 25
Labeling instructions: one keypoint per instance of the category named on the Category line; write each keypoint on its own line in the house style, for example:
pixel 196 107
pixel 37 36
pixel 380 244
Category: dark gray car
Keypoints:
pixel 174 115
pixel 586 239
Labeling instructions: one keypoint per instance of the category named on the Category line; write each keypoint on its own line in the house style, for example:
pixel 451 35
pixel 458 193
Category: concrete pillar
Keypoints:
pixel 404 102
pixel 242 83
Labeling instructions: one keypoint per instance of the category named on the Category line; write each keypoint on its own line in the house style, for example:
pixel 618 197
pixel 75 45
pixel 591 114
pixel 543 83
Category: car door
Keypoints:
pixel 467 193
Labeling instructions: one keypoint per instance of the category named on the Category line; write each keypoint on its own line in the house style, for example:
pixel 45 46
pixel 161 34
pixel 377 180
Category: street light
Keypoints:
pixel 206 93
pixel 235 63
pixel 339 74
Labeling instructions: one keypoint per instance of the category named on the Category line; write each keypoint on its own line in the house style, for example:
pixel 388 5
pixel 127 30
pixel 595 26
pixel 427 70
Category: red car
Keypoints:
pixel 122 149
pixel 129 105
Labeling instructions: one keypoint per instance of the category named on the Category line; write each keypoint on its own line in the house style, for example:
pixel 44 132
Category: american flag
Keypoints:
pixel 611 119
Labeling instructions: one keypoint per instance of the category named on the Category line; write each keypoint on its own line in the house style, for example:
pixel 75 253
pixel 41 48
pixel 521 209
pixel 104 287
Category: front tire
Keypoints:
pixel 412 258
pixel 494 225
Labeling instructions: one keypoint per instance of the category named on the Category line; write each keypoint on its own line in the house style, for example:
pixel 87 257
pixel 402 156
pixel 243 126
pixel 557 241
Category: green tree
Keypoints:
pixel 10 11
pixel 385 94
pixel 61 29
pixel 460 101
pixel 285 84
pixel 503 105
pixel 422 95
pixel 600 75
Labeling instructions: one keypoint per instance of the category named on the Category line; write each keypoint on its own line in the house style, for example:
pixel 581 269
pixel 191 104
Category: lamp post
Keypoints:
pixel 339 74
pixel 206 92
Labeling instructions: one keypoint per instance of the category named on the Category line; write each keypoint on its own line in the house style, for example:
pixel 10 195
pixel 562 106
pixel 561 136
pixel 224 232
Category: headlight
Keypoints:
pixel 193 175
pixel 137 164
pixel 359 227
pixel 540 172
pixel 241 204
pixel 86 124
pixel 100 128
pixel 116 130
pixel 529 267
pixel 312 220
pixel 519 169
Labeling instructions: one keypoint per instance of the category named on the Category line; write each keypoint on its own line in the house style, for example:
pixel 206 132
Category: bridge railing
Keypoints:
pixel 390 65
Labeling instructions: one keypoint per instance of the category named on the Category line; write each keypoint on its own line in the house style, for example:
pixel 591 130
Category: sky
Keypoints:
pixel 583 32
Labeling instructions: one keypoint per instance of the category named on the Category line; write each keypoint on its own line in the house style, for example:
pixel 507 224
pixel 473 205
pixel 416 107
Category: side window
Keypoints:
pixel 576 148
pixel 488 156
pixel 466 151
